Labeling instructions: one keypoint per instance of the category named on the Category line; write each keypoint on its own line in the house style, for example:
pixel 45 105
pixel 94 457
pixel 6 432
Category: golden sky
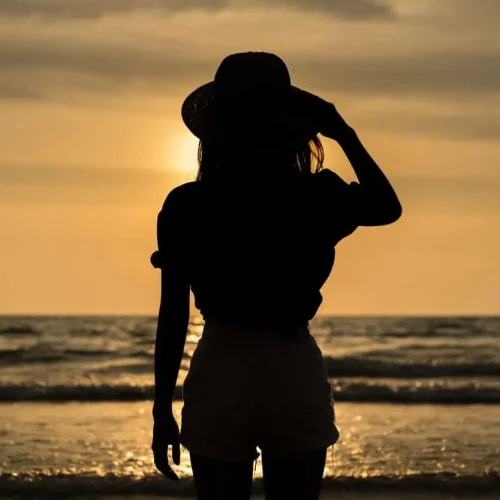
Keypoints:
pixel 91 141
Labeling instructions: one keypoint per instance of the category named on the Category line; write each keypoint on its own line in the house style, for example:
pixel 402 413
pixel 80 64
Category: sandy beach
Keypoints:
pixel 337 495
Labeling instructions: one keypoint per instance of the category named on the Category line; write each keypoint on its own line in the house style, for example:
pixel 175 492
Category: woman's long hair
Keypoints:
pixel 304 157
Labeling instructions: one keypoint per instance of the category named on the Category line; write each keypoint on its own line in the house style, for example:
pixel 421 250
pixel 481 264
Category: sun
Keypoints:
pixel 183 154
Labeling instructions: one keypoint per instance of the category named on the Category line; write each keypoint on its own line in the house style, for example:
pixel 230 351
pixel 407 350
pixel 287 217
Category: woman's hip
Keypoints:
pixel 246 391
pixel 257 361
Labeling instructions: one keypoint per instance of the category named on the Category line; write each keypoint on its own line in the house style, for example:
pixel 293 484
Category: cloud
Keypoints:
pixel 465 126
pixel 169 55
pixel 45 185
pixel 439 73
pixel 117 65
pixel 8 90
pixel 350 9
pixel 99 8
pixel 162 56
pixel 81 66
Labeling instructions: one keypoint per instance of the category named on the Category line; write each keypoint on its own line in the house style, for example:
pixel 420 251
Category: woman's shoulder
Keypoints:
pixel 330 184
pixel 329 177
pixel 181 196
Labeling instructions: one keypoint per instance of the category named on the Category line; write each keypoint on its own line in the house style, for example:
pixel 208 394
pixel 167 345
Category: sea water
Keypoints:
pixel 417 403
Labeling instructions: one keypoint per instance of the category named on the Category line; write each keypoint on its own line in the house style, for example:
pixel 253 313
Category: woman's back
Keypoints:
pixel 258 250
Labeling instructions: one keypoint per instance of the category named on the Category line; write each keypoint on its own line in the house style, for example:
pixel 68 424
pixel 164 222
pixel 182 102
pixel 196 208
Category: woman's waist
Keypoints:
pixel 271 303
pixel 234 327
pixel 275 313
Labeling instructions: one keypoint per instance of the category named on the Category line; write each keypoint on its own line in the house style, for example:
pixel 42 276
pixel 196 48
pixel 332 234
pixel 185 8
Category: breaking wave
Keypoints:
pixel 344 391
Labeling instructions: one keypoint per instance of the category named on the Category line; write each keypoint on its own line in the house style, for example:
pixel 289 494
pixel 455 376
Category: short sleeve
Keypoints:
pixel 339 201
pixel 171 230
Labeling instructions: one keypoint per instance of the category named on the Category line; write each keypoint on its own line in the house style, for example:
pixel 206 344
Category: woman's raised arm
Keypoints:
pixel 376 201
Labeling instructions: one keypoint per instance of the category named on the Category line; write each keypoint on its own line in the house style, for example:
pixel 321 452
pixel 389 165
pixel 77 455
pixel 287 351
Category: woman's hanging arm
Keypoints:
pixel 173 321
pixel 173 317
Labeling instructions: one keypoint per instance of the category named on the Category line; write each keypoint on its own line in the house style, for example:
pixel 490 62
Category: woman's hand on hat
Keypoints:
pixel 330 122
pixel 334 126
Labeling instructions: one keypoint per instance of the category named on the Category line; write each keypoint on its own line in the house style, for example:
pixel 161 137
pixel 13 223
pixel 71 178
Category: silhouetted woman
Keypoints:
pixel 254 238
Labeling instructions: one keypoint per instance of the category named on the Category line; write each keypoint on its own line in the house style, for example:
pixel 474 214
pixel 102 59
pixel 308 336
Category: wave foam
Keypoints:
pixel 343 391
pixel 363 367
pixel 19 330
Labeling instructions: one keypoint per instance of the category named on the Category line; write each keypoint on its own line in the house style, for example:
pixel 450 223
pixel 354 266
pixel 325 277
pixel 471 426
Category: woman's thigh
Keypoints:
pixel 297 477
pixel 217 480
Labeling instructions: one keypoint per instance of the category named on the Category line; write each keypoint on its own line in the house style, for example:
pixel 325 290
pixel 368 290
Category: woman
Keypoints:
pixel 254 238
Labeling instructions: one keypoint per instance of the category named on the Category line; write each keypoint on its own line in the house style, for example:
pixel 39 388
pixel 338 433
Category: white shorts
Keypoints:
pixel 250 387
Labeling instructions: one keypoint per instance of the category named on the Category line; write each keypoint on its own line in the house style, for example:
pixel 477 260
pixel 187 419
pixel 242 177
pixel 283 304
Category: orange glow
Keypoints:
pixel 182 154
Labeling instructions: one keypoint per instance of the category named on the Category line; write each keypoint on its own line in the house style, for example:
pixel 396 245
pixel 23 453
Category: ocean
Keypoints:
pixel 417 402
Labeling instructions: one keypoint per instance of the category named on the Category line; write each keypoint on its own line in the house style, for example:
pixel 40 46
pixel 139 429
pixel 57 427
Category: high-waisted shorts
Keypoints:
pixel 250 387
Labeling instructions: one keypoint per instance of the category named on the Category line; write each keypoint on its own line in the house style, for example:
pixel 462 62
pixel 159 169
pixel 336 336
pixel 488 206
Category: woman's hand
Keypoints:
pixel 331 124
pixel 165 433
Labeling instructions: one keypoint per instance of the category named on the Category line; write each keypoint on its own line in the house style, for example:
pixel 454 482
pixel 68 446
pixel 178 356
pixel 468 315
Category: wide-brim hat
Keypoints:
pixel 251 92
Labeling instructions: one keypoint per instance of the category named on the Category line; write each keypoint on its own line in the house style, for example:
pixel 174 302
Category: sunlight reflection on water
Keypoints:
pixel 99 438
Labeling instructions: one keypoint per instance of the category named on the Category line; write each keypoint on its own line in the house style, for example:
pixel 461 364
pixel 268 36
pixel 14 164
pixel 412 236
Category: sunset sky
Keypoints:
pixel 91 141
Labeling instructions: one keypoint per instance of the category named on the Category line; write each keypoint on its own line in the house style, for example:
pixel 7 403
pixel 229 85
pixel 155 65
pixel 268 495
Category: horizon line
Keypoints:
pixel 318 316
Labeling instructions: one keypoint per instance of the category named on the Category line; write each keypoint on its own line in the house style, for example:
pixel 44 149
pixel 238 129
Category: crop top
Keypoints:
pixel 257 251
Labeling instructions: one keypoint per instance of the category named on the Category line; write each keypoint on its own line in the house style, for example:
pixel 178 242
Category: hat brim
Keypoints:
pixel 198 113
